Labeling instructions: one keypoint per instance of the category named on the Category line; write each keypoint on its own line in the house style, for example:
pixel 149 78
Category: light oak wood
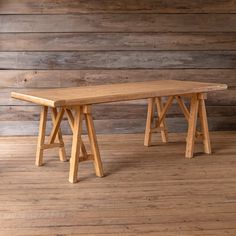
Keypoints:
pixel 93 142
pixel 11 117
pixel 163 126
pixel 192 126
pixel 204 126
pixel 53 145
pixel 56 126
pixel 76 144
pixel 115 92
pixel 41 136
pixel 70 117
pixel 83 96
pixel 160 122
pixel 183 107
pixel 79 152
pixel 148 133
pixel 164 111
pixel 62 151
pixel 196 107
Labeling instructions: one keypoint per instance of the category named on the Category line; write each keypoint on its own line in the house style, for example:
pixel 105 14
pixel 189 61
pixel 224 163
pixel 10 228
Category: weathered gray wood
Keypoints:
pixel 70 78
pixel 108 111
pixel 114 126
pixel 120 47
pixel 79 6
pixel 118 60
pixel 116 41
pixel 119 23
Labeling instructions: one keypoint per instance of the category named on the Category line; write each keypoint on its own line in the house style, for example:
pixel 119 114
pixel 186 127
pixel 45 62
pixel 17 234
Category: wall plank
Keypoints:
pixel 63 43
pixel 116 111
pixel 70 78
pixel 116 41
pixel 114 6
pixel 176 124
pixel 118 60
pixel 119 23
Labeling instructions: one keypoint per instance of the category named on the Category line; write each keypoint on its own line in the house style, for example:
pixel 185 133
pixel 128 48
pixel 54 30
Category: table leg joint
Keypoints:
pixel 197 108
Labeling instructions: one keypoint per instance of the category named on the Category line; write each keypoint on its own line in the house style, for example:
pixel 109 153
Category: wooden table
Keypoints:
pixel 76 104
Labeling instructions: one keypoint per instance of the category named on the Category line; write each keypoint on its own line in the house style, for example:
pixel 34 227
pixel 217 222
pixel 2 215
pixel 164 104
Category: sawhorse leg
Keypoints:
pixel 192 125
pixel 150 117
pixel 62 151
pixel 56 134
pixel 160 124
pixel 163 126
pixel 197 108
pixel 204 125
pixel 77 144
pixel 41 136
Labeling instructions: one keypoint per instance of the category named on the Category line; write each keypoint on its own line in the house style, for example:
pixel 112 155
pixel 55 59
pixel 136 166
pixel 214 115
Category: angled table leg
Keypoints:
pixel 76 144
pixel 192 123
pixel 56 126
pixel 41 136
pixel 204 124
pixel 164 133
pixel 71 122
pixel 150 116
pixel 160 122
pixel 93 142
pixel 62 152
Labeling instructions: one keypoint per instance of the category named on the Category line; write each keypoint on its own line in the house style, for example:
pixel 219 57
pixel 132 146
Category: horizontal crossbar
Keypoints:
pixel 89 157
pixel 53 145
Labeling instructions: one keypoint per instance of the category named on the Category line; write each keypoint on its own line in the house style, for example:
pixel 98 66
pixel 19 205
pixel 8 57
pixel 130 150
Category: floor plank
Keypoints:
pixel 146 191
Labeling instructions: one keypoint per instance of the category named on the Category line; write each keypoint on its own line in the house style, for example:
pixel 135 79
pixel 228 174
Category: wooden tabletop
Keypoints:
pixel 113 92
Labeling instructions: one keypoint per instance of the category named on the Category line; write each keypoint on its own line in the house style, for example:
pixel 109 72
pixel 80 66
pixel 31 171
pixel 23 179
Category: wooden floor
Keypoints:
pixel 147 191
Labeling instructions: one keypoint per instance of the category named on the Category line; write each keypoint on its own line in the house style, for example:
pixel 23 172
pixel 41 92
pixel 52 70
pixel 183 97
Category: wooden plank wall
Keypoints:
pixel 60 43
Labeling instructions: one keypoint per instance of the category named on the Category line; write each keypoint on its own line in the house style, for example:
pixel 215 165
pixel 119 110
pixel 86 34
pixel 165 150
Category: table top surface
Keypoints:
pixel 86 95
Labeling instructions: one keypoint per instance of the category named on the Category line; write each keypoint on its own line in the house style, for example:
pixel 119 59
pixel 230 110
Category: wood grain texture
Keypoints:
pixel 70 78
pixel 86 95
pixel 118 60
pixel 116 111
pixel 112 6
pixel 149 120
pixel 66 43
pixel 117 126
pixel 222 98
pixel 192 126
pixel 98 166
pixel 122 203
pixel 116 41
pixel 119 23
